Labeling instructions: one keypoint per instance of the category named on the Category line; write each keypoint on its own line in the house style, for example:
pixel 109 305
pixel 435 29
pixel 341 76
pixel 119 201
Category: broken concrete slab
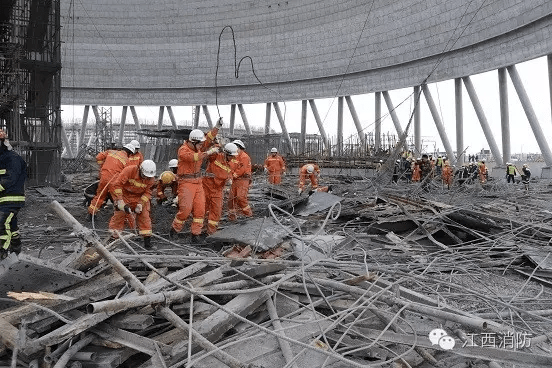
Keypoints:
pixel 318 201
pixel 316 247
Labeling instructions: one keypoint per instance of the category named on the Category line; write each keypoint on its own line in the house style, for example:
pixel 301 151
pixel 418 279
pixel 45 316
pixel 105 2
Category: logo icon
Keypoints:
pixel 439 337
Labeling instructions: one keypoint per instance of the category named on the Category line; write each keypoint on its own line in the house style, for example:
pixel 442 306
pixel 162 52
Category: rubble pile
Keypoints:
pixel 363 277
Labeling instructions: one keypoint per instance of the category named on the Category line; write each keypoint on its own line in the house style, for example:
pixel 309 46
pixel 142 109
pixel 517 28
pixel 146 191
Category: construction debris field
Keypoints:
pixel 372 275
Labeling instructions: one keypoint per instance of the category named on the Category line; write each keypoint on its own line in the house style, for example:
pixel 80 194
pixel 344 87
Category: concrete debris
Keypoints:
pixel 392 277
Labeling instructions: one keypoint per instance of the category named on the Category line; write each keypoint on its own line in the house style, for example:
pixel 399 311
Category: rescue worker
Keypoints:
pixel 379 164
pixel 131 191
pixel 311 172
pixel 446 175
pixel 191 197
pixel 439 165
pixel 396 171
pixel 426 168
pixel 241 179
pixel 137 157
pixel 112 163
pixel 416 171
pixel 511 172
pixel 167 179
pixel 525 176
pixel 13 173
pixel 218 174
pixel 482 172
pixel 274 166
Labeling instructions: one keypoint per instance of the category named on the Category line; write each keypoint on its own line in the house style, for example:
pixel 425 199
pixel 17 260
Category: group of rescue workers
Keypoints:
pixel 129 179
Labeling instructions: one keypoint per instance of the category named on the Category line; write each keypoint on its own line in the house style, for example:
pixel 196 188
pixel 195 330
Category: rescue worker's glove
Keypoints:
pixel 175 201
pixel 299 191
pixel 266 170
pixel 121 205
pixel 283 173
pixel 219 123
pixel 212 150
pixel 138 208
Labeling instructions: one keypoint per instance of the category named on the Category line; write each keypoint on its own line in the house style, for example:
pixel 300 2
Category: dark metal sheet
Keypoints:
pixel 262 233
pixel 318 201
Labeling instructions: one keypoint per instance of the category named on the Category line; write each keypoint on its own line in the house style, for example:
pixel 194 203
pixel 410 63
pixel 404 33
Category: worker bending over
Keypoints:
pixel 191 197
pixel 131 191
pixel 167 179
pixel 311 172
pixel 274 166
pixel 241 179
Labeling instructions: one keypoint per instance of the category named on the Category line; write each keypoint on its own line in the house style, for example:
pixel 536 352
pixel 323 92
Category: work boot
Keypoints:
pixel 147 242
pixel 329 188
pixel 173 234
pixel 15 245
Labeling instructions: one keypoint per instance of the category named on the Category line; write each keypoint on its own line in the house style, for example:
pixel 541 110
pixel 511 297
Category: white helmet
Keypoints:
pixel 148 168
pixel 130 147
pixel 239 143
pixel 274 150
pixel 310 169
pixel 173 163
pixel 136 144
pixel 231 149
pixel 196 135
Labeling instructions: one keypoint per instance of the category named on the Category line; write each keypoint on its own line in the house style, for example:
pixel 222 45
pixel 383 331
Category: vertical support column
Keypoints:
pixel 96 113
pixel 320 125
pixel 377 119
pixel 549 58
pixel 504 115
pixel 232 117
pixel 84 122
pixel 531 116
pixel 438 123
pixel 482 119
pixel 459 122
pixel 122 126
pixel 417 121
pixel 283 126
pixel 354 115
pixel 394 117
pixel 340 126
pixel 267 118
pixel 68 149
pixel 207 116
pixel 302 144
pixel 244 119
pixel 196 116
pixel 136 122
pixel 171 116
pixel 160 119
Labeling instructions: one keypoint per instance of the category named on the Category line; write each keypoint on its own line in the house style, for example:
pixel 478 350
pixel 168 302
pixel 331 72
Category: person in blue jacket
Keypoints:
pixel 13 173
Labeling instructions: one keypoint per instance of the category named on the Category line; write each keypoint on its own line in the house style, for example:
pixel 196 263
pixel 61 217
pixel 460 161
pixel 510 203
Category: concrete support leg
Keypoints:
pixel 417 121
pixel 84 122
pixel 66 143
pixel 267 117
pixel 196 116
pixel 459 122
pixel 160 118
pixel 96 113
pixel 356 120
pixel 207 116
pixel 283 127
pixel 244 119
pixel 394 117
pixel 549 59
pixel 303 126
pixel 232 117
pixel 340 126
pixel 439 124
pixel 482 119
pixel 314 109
pixel 136 122
pixel 531 116
pixel 122 126
pixel 171 116
pixel 377 119
pixel 504 115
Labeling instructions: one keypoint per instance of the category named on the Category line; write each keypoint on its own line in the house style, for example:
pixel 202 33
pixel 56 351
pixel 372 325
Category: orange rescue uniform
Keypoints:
pixel 276 166
pixel 447 175
pixel 219 170
pixel 417 172
pixel 304 175
pixel 133 189
pixel 135 159
pixel 112 163
pixel 191 197
pixel 241 178
pixel 482 173
pixel 161 187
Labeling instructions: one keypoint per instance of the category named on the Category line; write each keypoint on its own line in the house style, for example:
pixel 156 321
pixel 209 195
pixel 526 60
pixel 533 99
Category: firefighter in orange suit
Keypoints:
pixel 137 157
pixel 131 191
pixel 482 172
pixel 167 179
pixel 191 198
pixel 218 174
pixel 312 172
pixel 274 166
pixel 241 178
pixel 446 174
pixel 112 162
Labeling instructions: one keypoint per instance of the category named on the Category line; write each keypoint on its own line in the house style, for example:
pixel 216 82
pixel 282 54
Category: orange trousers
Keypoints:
pixel 191 200
pixel 275 177
pixel 237 199
pixel 101 195
pixel 213 203
pixel 143 219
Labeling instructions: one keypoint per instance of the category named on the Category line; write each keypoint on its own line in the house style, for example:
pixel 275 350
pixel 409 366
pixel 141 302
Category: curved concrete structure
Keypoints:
pixel 143 52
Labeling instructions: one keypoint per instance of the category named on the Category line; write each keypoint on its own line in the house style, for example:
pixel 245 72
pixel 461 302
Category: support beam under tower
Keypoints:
pixel 377 119
pixel 122 126
pixel 504 115
pixel 207 116
pixel 314 110
pixel 160 119
pixel 394 118
pixel 458 103
pixel 283 127
pixel 303 126
pixel 356 120
pixel 267 117
pixel 340 126
pixel 83 125
pixel 438 124
pixel 232 118
pixel 171 116
pixel 244 119
pixel 417 121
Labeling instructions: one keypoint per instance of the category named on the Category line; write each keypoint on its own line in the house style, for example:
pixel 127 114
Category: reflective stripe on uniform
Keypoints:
pixel 198 220
pixel 213 223
pixel 145 198
pixel 222 166
pixel 2 188
pixel 118 191
pixel 136 183
pixel 2 172
pixel 210 135
pixel 177 221
pixel 12 198
pixel 120 158
pixel 196 156
pixel 246 208
pixel 8 235
pixel 145 232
